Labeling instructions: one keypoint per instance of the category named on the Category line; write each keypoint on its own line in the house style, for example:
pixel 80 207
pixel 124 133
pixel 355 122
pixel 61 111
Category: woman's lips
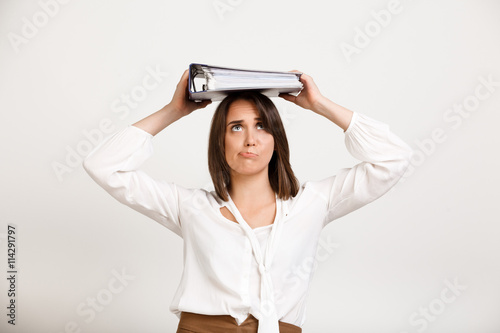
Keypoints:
pixel 248 155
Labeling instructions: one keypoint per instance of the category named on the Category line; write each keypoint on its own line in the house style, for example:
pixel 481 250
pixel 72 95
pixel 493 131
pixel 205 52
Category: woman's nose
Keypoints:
pixel 250 139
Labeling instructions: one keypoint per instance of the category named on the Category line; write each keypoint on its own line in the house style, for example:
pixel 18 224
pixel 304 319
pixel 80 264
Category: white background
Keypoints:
pixel 69 73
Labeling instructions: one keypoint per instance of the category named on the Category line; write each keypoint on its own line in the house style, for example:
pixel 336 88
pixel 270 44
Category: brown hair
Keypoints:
pixel 281 176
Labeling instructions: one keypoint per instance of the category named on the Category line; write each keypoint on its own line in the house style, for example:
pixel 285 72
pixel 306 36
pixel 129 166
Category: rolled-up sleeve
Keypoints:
pixel 114 165
pixel 385 158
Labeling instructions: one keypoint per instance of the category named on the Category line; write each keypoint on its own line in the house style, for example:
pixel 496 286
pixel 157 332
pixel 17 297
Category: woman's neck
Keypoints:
pixel 252 190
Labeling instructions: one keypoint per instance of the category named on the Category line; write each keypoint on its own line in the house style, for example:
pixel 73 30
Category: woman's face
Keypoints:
pixel 245 133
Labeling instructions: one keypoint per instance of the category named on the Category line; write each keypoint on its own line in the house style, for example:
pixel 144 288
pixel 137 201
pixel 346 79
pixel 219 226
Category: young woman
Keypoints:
pixel 244 240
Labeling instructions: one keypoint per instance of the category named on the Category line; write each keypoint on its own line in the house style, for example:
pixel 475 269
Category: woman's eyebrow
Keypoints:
pixel 240 121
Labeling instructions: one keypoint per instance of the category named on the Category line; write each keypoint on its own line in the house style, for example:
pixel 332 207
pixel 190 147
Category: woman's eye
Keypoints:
pixel 238 127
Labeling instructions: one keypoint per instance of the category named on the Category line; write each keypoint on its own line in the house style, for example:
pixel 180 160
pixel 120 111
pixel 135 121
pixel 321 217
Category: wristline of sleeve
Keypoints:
pixel 351 124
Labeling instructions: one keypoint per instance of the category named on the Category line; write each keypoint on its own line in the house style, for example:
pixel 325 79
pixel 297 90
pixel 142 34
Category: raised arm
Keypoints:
pixel 115 163
pixel 179 107
pixel 385 157
pixel 311 98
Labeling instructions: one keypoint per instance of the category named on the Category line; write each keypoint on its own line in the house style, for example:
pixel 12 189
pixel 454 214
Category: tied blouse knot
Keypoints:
pixel 230 268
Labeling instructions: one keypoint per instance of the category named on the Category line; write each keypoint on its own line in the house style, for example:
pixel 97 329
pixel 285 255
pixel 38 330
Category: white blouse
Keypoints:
pixel 230 268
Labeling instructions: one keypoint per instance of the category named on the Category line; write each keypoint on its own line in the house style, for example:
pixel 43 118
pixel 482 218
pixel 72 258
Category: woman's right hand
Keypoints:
pixel 181 102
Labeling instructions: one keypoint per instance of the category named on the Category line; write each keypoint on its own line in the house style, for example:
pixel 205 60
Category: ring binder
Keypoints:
pixel 217 82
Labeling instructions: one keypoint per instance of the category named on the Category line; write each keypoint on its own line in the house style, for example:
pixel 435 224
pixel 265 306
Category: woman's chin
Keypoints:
pixel 247 172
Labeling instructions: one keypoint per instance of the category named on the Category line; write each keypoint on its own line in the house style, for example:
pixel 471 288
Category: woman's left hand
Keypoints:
pixel 308 97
